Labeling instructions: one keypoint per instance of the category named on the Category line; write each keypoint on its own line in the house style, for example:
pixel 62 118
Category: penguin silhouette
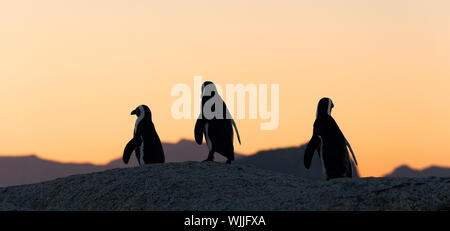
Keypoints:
pixel 330 143
pixel 145 143
pixel 216 124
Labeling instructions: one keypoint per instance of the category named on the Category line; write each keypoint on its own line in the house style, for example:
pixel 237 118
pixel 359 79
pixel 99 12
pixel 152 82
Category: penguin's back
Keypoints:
pixel 153 149
pixel 221 135
pixel 334 148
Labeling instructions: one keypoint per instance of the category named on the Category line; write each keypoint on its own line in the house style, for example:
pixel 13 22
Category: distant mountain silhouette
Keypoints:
pixel 406 171
pixel 287 160
pixel 32 169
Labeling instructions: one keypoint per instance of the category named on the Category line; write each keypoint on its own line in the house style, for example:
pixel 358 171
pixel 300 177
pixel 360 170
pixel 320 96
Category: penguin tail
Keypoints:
pixel 237 132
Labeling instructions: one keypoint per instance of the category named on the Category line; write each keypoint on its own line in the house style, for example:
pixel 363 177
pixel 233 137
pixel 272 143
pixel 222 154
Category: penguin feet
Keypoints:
pixel 208 159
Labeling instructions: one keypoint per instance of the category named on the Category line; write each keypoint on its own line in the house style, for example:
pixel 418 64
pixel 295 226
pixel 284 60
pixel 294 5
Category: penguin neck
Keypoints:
pixel 219 102
pixel 140 119
pixel 322 115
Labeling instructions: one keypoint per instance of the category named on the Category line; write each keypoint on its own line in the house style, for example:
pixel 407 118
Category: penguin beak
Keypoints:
pixel 134 112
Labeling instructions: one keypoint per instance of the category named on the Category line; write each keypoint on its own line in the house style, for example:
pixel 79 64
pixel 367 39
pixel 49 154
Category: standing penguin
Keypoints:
pixel 216 124
pixel 145 143
pixel 331 144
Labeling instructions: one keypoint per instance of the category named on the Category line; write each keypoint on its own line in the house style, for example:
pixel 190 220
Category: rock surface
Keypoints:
pixel 217 186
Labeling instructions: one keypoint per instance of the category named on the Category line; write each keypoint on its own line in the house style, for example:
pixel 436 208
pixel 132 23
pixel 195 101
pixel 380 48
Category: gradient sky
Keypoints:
pixel 71 72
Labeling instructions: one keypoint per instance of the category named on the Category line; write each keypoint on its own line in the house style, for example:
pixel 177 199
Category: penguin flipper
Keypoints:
pixel 351 150
pixel 129 148
pixel 198 131
pixel 237 132
pixel 310 149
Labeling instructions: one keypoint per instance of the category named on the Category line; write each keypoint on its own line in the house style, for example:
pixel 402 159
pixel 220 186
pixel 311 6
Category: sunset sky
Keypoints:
pixel 72 71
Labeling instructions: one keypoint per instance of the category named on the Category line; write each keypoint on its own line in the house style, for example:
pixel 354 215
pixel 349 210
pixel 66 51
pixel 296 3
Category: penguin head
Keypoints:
pixel 142 111
pixel 324 107
pixel 208 89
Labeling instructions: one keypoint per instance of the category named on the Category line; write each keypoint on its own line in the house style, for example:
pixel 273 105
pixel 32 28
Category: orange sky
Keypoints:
pixel 71 72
